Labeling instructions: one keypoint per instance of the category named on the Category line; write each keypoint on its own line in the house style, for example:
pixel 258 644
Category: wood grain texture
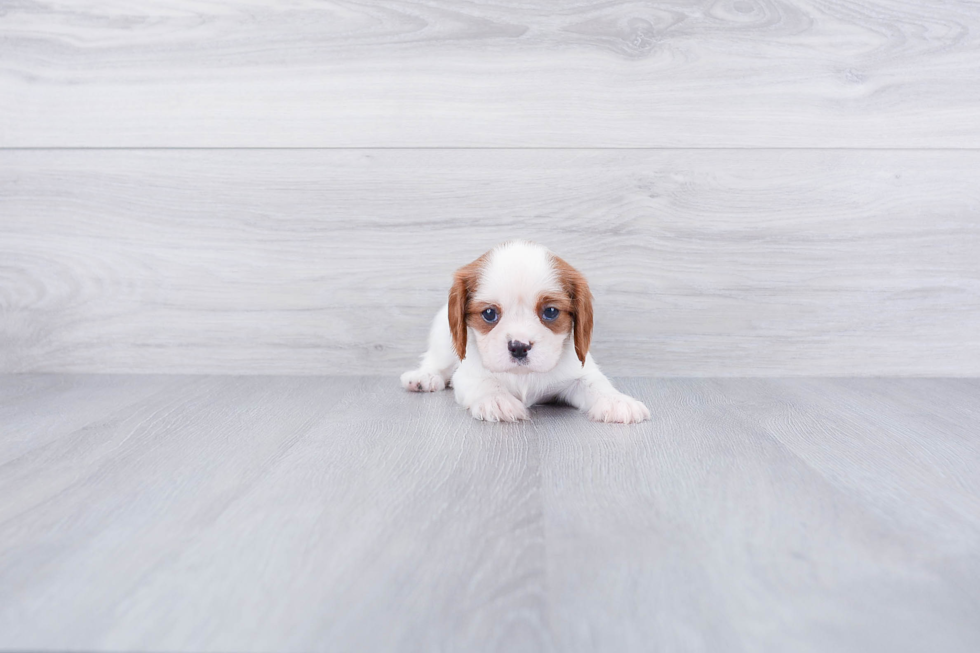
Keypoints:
pixel 714 263
pixel 159 513
pixel 769 515
pixel 579 73
pixel 285 506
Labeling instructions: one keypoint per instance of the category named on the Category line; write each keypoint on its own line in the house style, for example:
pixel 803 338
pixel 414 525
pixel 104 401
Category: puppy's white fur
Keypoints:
pixel 517 279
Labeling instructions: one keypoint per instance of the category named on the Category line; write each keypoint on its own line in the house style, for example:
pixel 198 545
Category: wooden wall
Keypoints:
pixel 753 188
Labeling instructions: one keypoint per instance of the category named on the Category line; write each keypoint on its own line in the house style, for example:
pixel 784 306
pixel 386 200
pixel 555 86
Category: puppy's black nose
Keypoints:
pixel 518 349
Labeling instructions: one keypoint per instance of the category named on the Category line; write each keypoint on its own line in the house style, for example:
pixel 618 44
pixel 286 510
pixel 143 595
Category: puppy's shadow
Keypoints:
pixel 554 410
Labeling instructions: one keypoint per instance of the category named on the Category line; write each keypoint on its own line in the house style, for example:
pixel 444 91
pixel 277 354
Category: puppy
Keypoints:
pixel 516 332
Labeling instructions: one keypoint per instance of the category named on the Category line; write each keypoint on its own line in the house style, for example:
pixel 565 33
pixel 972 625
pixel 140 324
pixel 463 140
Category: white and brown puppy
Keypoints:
pixel 516 332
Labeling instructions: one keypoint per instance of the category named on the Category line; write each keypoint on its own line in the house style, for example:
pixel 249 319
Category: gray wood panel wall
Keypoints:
pixel 754 188
pixel 523 73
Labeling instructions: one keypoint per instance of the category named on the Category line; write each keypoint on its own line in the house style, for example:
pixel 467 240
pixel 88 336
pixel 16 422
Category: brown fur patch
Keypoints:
pixel 562 323
pixel 578 291
pixel 465 282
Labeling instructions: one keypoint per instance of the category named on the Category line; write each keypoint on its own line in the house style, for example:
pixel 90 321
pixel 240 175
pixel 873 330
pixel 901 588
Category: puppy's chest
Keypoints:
pixel 531 389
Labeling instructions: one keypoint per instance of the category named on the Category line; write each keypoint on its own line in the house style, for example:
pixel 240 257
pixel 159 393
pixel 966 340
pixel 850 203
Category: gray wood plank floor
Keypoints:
pixel 532 73
pixel 326 513
pixel 703 262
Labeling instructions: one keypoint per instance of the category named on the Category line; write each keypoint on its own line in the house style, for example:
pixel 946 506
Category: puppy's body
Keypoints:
pixel 516 332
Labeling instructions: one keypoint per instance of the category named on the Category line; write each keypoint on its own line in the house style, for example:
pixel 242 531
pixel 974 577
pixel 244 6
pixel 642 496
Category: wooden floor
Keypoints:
pixel 324 513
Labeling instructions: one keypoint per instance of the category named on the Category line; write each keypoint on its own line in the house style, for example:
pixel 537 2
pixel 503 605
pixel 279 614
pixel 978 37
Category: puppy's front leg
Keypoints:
pixel 484 397
pixel 439 361
pixel 593 393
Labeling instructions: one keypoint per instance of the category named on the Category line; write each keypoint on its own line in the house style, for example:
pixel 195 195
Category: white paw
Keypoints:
pixel 618 409
pixel 422 381
pixel 501 407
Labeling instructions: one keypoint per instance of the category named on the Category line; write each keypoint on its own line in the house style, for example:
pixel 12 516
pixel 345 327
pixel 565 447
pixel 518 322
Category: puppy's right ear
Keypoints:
pixel 464 284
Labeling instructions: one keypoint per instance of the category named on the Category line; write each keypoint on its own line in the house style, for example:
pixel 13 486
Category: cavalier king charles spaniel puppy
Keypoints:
pixel 516 332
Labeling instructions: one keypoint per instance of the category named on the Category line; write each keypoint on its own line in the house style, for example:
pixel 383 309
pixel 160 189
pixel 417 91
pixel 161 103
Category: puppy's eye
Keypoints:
pixel 550 313
pixel 489 315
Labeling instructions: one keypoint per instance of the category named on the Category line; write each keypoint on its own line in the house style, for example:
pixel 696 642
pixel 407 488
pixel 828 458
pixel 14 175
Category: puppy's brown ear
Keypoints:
pixel 578 290
pixel 464 285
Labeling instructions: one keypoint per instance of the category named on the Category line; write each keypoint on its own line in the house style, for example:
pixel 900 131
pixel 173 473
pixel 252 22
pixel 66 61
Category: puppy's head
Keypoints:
pixel 522 303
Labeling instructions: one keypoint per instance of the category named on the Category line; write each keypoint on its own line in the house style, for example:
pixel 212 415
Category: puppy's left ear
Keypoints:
pixel 464 284
pixel 578 290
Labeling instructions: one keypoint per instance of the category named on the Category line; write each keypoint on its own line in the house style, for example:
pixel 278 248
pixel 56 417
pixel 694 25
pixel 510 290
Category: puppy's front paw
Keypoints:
pixel 618 409
pixel 501 407
pixel 422 381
